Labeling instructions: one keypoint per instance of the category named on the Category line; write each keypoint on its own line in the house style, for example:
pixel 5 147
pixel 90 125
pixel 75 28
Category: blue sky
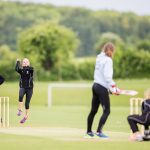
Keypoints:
pixel 141 7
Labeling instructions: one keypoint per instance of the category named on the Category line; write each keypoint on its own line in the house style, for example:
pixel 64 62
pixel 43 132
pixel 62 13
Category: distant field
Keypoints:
pixel 73 96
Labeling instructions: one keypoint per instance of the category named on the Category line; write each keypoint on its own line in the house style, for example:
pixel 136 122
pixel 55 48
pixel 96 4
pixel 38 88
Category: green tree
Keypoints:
pixel 109 37
pixel 7 63
pixel 144 45
pixel 88 24
pixel 119 48
pixel 49 44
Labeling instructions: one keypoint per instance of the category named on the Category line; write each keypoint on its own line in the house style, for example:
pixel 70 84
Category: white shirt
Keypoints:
pixel 103 73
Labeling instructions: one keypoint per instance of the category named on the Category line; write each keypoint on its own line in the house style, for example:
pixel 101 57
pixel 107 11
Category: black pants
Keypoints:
pixel 100 96
pixel 28 93
pixel 133 120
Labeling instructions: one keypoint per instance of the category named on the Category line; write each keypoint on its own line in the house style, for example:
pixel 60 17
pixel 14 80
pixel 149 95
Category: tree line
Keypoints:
pixel 54 37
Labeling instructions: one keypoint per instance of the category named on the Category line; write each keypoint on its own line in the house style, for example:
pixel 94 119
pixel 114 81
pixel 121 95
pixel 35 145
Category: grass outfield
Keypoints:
pixel 23 142
pixel 70 117
pixel 74 96
pixel 63 126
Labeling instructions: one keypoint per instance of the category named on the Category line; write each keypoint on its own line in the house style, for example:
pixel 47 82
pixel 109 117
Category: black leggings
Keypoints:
pixel 133 120
pixel 100 96
pixel 28 93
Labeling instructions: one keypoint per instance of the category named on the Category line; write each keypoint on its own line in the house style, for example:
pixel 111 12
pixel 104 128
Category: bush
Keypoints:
pixel 7 63
pixel 68 71
pixel 127 64
pixel 133 64
pixel 7 70
pixel 86 69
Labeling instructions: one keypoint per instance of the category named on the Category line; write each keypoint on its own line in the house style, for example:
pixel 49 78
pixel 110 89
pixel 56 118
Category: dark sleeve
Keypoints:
pixel 145 107
pixel 1 80
pixel 142 107
pixel 18 68
pixel 31 71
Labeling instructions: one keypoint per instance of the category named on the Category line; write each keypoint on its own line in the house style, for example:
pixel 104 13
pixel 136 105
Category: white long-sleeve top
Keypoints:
pixel 103 73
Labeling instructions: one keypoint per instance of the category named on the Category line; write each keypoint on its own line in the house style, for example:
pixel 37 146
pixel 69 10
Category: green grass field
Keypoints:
pixel 63 126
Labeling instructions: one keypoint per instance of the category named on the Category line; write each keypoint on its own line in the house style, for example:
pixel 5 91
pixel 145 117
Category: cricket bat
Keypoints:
pixel 128 92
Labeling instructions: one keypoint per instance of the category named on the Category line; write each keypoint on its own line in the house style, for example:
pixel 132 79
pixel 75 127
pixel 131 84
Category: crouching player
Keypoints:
pixel 143 119
pixel 26 86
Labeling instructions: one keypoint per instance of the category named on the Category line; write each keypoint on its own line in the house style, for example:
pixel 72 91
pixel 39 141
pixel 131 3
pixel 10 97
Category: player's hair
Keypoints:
pixel 108 46
pixel 147 94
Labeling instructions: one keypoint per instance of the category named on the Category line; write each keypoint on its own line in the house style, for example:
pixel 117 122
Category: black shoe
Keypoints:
pixel 146 138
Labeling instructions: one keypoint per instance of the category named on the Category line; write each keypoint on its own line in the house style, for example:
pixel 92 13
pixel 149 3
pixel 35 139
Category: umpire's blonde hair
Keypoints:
pixel 147 94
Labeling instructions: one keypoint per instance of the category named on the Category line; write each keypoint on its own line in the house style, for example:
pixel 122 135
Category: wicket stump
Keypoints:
pixel 4 111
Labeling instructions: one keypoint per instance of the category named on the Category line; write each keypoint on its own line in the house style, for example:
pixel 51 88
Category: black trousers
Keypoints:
pixel 28 93
pixel 100 97
pixel 133 120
